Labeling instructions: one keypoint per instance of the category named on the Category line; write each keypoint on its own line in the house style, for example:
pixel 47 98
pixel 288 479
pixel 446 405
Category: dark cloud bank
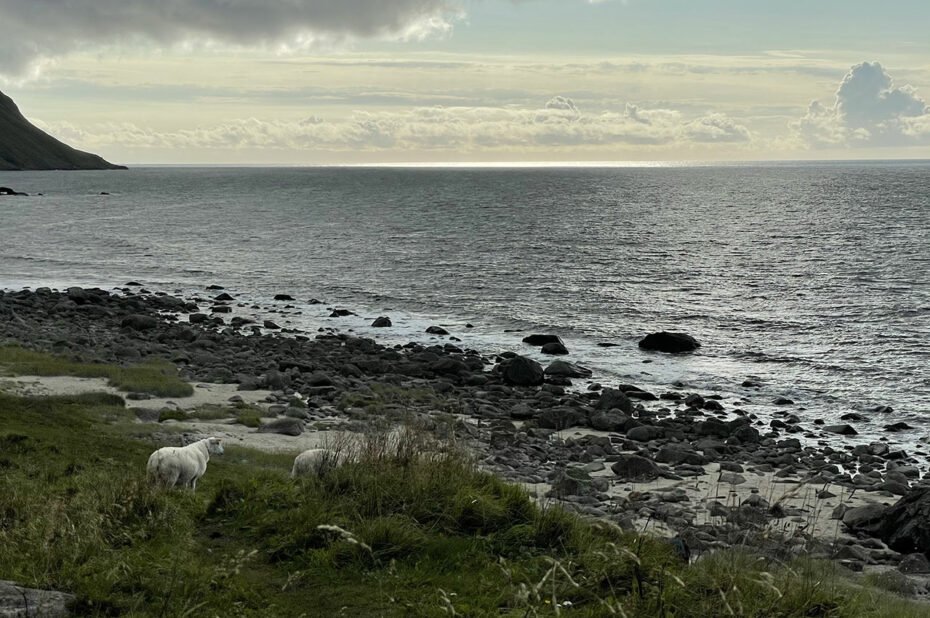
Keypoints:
pixel 38 29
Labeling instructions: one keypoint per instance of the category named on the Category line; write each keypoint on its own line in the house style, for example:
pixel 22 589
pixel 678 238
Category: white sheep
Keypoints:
pixel 174 466
pixel 315 461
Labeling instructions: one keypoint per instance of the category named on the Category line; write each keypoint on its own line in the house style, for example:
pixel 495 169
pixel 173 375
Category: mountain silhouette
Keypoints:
pixel 24 146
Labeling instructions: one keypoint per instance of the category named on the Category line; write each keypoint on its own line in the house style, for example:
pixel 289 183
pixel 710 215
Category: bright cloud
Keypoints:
pixel 470 129
pixel 869 111
pixel 36 30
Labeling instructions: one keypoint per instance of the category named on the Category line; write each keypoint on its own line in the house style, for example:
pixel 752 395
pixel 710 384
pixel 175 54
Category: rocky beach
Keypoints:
pixel 688 465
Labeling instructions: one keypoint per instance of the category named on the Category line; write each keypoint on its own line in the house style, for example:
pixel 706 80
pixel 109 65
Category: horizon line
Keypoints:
pixel 545 164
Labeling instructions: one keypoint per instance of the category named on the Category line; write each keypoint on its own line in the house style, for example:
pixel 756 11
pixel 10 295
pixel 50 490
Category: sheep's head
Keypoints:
pixel 215 446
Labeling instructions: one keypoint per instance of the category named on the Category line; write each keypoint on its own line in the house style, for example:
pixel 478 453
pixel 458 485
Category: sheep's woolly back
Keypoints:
pixel 317 461
pixel 173 466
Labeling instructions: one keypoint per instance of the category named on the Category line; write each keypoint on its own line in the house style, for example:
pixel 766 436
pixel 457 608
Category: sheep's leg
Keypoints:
pixel 194 484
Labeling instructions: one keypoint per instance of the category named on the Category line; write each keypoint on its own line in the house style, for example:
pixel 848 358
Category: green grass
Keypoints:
pixel 249 418
pixel 397 534
pixel 156 377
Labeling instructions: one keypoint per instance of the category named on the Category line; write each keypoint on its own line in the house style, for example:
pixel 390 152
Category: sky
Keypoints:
pixel 308 82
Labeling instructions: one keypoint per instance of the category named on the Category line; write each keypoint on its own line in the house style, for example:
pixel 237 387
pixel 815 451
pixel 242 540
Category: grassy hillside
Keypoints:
pixel 25 147
pixel 398 534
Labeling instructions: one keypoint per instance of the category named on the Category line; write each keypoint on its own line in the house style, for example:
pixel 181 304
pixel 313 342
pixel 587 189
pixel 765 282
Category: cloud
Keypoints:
pixel 559 124
pixel 37 30
pixel 563 103
pixel 869 110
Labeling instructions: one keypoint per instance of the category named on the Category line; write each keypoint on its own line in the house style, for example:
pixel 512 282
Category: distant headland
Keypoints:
pixel 23 146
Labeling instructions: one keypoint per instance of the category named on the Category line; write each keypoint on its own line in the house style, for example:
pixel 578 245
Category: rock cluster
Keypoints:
pixel 525 421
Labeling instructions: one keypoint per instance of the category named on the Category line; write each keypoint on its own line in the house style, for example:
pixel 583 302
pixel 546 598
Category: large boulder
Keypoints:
pixel 610 421
pixel 554 349
pixel 635 468
pixel 560 418
pixel 283 426
pixel 673 343
pixel 564 369
pixel 18 601
pixel 541 340
pixel 522 371
pixel 613 399
pixel 867 519
pixel 905 526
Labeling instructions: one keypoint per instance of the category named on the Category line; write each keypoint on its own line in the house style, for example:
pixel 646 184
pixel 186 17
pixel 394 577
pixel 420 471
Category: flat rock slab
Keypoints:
pixel 19 602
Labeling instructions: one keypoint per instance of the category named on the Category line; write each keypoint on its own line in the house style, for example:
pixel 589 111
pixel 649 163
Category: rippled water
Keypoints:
pixel 815 278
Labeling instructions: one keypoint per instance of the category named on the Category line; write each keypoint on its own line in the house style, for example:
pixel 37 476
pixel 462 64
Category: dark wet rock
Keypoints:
pixel 783 401
pixel 635 468
pixel 883 409
pixel 852 416
pixel 522 412
pixel 746 434
pixel 669 342
pixel 541 340
pixel 318 379
pixel 341 313
pixel 895 487
pixel 139 322
pixel 843 430
pixel 522 371
pixel 713 427
pixel 607 344
pixel 283 426
pixel 197 318
pixel 610 421
pixel 915 563
pixel 613 399
pixel 9 191
pixel 867 519
pixel 561 418
pixel 223 298
pixel 554 349
pixel 19 602
pixel 905 526
pixel 382 322
pixel 283 297
pixel 645 433
pixel 675 456
pixel 437 330
pixel 270 325
pixel 567 370
pixel 852 552
pixel 576 482
pixel 276 380
pixel 221 309
pixel 895 427
pixel 449 366
pixel 694 400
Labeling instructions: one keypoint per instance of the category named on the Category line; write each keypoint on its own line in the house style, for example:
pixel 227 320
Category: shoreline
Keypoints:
pixel 677 465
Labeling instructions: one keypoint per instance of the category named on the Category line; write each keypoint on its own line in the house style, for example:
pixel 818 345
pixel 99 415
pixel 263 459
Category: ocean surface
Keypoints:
pixel 811 278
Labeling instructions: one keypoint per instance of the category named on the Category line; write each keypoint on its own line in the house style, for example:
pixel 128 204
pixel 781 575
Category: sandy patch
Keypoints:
pixel 204 393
